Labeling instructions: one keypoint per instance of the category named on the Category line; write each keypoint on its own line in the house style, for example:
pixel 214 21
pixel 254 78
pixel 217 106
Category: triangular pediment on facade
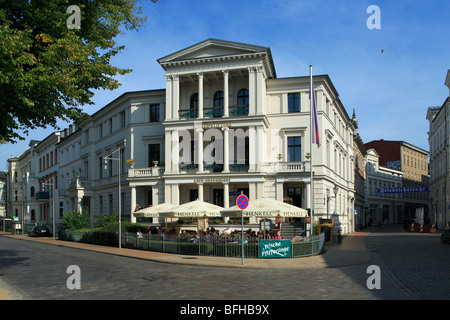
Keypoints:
pixel 372 152
pixel 218 49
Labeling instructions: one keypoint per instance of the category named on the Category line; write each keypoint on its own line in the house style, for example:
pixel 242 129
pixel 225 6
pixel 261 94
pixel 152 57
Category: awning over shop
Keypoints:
pixel 266 208
pixel 196 209
pixel 153 212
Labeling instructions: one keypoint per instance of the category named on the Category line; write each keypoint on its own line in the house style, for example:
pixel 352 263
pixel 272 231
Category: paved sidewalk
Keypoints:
pixel 352 251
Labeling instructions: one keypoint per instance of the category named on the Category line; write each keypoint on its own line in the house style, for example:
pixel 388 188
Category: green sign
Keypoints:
pixel 275 248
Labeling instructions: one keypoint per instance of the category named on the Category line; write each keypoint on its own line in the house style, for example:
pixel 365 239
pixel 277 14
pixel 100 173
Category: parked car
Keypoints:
pixel 39 231
pixel 445 236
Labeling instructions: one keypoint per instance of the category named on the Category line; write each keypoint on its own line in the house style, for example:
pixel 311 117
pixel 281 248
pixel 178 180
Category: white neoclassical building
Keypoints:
pixel 229 124
pixel 224 123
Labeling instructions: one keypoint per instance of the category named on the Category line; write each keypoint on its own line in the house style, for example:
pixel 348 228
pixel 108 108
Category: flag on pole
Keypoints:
pixel 314 121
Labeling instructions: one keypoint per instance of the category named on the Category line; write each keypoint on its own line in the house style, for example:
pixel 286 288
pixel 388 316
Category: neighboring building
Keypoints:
pixel 413 162
pixel 47 165
pixel 70 169
pixel 23 188
pixel 359 152
pixel 3 195
pixel 439 139
pixel 386 208
pixel 129 128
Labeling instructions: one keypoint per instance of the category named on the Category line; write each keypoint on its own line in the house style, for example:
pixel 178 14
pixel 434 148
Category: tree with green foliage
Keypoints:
pixel 48 69
pixel 74 220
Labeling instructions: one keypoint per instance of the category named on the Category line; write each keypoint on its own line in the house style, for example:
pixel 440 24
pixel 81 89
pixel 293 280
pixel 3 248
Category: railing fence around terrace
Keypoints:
pixel 219 247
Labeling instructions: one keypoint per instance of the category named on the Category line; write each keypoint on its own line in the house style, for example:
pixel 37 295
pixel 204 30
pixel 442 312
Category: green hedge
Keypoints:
pixel 108 236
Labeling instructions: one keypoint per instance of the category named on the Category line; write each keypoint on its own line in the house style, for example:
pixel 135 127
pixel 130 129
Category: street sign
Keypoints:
pixel 403 189
pixel 235 193
pixel 275 249
pixel 242 201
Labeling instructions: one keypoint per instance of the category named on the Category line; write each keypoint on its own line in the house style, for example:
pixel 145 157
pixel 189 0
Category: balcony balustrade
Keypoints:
pixel 267 167
pixel 214 112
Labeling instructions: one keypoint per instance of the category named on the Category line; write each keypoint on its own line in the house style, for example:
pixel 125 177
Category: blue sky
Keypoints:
pixel 390 91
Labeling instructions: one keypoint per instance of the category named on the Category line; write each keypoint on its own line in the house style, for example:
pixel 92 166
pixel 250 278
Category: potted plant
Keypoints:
pixel 131 162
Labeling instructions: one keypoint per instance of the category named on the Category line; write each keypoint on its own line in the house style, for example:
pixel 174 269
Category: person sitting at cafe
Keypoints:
pixel 227 231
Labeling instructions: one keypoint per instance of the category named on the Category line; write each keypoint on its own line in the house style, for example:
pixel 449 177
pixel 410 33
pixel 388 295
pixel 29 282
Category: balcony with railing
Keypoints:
pixel 145 172
pixel 214 112
pixel 234 168
pixel 79 183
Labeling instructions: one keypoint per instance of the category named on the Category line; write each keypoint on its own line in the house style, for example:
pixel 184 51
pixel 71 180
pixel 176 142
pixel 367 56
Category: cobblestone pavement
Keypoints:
pixel 39 271
pixel 419 262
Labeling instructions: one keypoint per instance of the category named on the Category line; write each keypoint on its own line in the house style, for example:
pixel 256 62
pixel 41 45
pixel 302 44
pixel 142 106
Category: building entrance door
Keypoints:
pixel 295 193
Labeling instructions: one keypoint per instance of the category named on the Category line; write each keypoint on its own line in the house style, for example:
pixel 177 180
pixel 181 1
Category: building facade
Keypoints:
pixel 439 137
pixel 70 169
pixel 23 188
pixel 224 123
pixel 413 162
pixel 382 207
pixel 231 125
pixel 360 154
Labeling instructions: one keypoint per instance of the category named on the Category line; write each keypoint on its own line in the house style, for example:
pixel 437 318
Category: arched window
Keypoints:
pixel 218 104
pixel 242 97
pixel 218 99
pixel 32 192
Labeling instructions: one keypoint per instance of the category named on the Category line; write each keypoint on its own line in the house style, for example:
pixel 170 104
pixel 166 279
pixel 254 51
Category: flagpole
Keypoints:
pixel 311 154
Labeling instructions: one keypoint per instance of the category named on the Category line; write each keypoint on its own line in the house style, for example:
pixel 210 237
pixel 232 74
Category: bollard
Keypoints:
pixel 421 227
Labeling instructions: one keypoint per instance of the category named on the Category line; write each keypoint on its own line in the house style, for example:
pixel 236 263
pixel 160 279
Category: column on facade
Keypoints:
pixel 251 91
pixel 175 95
pixel 259 90
pixel 225 93
pixel 169 95
pixel 200 190
pixel 308 195
pixel 79 202
pixel 226 155
pixel 155 195
pixel 252 148
pixel 200 149
pixel 252 191
pixel 167 193
pixel 279 190
pixel 175 151
pixel 260 148
pixel 168 152
pixel 226 194
pixel 200 95
pixel 133 203
pixel 175 194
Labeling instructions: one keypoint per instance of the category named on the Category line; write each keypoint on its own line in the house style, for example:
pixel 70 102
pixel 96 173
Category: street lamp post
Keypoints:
pixel 109 157
pixel 335 191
